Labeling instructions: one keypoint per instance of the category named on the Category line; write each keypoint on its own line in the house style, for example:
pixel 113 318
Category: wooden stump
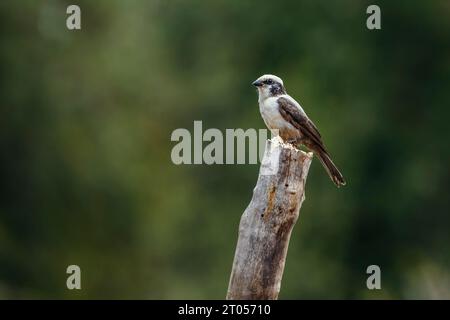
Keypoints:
pixel 267 223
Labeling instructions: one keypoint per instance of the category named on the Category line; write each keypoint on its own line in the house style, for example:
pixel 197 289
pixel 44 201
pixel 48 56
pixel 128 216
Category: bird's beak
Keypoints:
pixel 257 83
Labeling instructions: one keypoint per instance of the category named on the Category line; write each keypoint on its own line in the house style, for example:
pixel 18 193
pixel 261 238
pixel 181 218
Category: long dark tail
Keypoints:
pixel 333 171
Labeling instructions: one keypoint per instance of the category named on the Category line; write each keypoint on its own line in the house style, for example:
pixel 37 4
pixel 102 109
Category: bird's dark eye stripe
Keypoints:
pixel 269 81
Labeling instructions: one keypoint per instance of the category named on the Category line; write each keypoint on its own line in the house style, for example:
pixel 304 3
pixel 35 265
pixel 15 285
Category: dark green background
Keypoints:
pixel 85 124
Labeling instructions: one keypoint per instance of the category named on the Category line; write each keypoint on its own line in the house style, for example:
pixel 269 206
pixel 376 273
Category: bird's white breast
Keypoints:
pixel 271 115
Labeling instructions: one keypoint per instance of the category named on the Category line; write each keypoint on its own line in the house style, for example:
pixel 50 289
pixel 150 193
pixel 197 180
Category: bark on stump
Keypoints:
pixel 266 225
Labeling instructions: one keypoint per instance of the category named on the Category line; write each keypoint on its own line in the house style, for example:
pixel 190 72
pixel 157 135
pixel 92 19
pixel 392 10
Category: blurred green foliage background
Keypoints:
pixel 85 124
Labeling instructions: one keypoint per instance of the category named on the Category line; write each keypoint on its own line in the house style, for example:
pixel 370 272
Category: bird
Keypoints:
pixel 285 118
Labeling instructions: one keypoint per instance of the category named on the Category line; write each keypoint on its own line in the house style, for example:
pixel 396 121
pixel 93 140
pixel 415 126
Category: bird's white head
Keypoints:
pixel 269 85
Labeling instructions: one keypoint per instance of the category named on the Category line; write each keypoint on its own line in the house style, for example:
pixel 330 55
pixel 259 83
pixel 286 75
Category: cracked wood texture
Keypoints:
pixel 266 225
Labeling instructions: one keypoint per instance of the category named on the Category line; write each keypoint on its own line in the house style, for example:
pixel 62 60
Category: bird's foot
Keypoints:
pixel 292 142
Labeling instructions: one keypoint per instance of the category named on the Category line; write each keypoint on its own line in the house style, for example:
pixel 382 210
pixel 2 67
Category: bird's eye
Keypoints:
pixel 270 81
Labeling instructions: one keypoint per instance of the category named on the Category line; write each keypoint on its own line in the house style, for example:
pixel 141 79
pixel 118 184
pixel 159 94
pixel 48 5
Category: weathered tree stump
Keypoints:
pixel 267 223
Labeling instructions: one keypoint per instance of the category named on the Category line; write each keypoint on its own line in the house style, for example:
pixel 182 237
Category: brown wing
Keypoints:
pixel 294 116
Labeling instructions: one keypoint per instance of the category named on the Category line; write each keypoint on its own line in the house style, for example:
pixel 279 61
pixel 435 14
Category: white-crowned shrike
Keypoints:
pixel 285 117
